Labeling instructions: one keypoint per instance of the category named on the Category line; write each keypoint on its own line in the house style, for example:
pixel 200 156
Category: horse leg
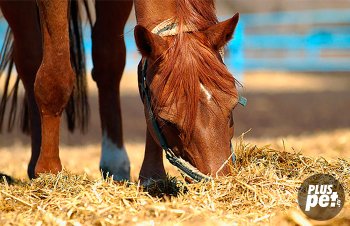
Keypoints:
pixel 108 55
pixel 24 22
pixel 54 81
pixel 152 167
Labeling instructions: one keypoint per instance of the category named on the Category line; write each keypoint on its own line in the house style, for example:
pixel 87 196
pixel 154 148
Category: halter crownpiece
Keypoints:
pixel 169 27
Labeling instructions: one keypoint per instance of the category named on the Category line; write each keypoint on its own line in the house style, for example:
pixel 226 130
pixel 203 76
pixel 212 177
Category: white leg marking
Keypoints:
pixel 206 92
pixel 114 160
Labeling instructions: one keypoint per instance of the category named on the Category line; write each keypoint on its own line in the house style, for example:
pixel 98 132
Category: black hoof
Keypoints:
pixel 106 173
pixel 7 178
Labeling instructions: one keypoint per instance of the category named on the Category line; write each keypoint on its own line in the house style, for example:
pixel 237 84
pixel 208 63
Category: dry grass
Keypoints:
pixel 263 191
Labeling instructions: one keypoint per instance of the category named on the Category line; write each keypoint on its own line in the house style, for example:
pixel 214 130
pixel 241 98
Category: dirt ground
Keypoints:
pixel 297 112
pixel 279 105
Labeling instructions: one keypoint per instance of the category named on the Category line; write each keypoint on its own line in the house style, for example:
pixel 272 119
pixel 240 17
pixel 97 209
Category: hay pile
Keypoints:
pixel 263 190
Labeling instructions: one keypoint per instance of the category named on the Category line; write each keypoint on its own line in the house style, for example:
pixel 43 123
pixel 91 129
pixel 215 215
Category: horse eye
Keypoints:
pixel 231 119
pixel 164 122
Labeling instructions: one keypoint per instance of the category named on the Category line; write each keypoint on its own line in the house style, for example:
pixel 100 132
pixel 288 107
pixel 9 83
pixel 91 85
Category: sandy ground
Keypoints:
pixel 296 112
pixel 292 112
pixel 279 105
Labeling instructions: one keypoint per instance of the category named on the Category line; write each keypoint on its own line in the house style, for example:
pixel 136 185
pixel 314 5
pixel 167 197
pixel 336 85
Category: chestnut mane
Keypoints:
pixel 189 62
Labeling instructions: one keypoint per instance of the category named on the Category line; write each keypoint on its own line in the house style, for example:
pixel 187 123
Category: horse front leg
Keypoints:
pixel 24 22
pixel 54 81
pixel 152 167
pixel 108 55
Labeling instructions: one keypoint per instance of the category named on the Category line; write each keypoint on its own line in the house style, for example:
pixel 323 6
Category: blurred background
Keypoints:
pixel 292 57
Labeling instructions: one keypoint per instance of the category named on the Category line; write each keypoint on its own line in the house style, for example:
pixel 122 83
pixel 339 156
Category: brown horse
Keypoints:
pixel 189 90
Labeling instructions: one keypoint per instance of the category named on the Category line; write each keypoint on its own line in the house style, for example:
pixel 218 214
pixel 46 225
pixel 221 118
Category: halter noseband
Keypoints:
pixel 170 28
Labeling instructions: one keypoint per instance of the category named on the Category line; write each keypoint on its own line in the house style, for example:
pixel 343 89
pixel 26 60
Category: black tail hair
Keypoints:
pixel 77 110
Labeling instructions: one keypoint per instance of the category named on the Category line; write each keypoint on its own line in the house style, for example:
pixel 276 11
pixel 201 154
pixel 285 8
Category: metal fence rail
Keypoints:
pixel 258 44
pixel 327 31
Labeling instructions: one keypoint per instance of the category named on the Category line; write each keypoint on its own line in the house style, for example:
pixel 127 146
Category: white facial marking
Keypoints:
pixel 207 93
pixel 114 160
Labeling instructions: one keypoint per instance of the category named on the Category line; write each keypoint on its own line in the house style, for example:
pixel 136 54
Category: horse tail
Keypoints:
pixel 6 66
pixel 78 107
pixel 77 110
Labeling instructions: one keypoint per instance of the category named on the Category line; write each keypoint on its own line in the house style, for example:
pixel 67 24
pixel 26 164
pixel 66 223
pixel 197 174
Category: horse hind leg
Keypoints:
pixel 24 22
pixel 54 81
pixel 108 54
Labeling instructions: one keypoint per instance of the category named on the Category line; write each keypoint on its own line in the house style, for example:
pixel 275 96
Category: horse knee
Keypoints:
pixel 53 87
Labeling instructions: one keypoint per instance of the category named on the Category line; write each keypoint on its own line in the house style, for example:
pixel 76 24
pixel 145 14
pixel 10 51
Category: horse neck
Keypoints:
pixel 150 13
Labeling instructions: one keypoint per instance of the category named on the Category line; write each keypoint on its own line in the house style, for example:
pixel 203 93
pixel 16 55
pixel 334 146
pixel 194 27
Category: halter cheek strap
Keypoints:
pixel 242 100
pixel 185 167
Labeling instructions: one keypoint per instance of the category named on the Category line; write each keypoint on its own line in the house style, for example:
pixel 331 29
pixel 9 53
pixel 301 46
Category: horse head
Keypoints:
pixel 191 94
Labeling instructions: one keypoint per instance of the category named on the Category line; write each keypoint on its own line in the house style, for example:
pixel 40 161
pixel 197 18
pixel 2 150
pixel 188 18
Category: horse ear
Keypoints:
pixel 220 33
pixel 149 44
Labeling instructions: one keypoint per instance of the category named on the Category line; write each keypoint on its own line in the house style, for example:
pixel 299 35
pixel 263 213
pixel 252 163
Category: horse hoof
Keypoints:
pixel 114 161
pixel 7 178
pixel 117 176
pixel 49 165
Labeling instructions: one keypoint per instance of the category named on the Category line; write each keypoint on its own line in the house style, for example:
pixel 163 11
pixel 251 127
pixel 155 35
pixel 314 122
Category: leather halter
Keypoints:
pixel 178 162
pixel 168 28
